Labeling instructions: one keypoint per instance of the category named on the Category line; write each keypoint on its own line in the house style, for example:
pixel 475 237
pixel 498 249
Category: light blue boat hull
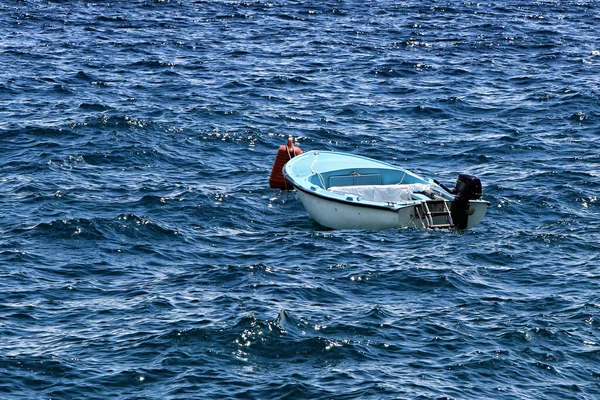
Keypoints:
pixel 345 191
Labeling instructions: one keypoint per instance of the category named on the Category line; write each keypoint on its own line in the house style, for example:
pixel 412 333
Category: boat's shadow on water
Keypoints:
pixel 410 231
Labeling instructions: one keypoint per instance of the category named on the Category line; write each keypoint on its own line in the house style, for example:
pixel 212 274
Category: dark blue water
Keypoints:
pixel 143 255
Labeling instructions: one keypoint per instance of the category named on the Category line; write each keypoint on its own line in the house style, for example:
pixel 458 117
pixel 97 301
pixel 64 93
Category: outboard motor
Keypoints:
pixel 468 187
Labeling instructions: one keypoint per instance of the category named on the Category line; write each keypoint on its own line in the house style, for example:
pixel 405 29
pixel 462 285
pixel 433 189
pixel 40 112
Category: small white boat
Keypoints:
pixel 346 191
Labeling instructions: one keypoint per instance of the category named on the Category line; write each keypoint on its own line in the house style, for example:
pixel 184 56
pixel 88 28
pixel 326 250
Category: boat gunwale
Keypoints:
pixel 389 206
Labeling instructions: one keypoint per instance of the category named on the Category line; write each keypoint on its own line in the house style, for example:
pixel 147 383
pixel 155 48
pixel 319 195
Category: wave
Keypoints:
pixel 120 228
pixel 282 80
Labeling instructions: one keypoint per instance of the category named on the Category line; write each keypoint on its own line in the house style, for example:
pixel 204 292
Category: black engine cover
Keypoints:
pixel 468 187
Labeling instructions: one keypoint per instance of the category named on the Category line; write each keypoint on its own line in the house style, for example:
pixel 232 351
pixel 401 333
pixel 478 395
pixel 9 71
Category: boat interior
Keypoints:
pixel 375 185
pixel 361 177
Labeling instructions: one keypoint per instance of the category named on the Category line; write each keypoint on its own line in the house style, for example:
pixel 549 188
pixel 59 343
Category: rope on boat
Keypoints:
pixel 402 180
pixel 321 180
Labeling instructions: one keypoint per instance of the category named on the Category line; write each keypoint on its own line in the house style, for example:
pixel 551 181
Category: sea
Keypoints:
pixel 143 254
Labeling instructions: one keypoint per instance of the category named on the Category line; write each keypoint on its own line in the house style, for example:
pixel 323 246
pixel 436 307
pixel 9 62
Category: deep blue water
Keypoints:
pixel 143 255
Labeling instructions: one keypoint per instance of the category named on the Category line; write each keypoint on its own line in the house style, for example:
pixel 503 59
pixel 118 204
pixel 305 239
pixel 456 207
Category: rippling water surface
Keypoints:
pixel 143 255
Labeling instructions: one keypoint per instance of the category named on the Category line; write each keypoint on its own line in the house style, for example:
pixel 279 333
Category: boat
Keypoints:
pixel 347 191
